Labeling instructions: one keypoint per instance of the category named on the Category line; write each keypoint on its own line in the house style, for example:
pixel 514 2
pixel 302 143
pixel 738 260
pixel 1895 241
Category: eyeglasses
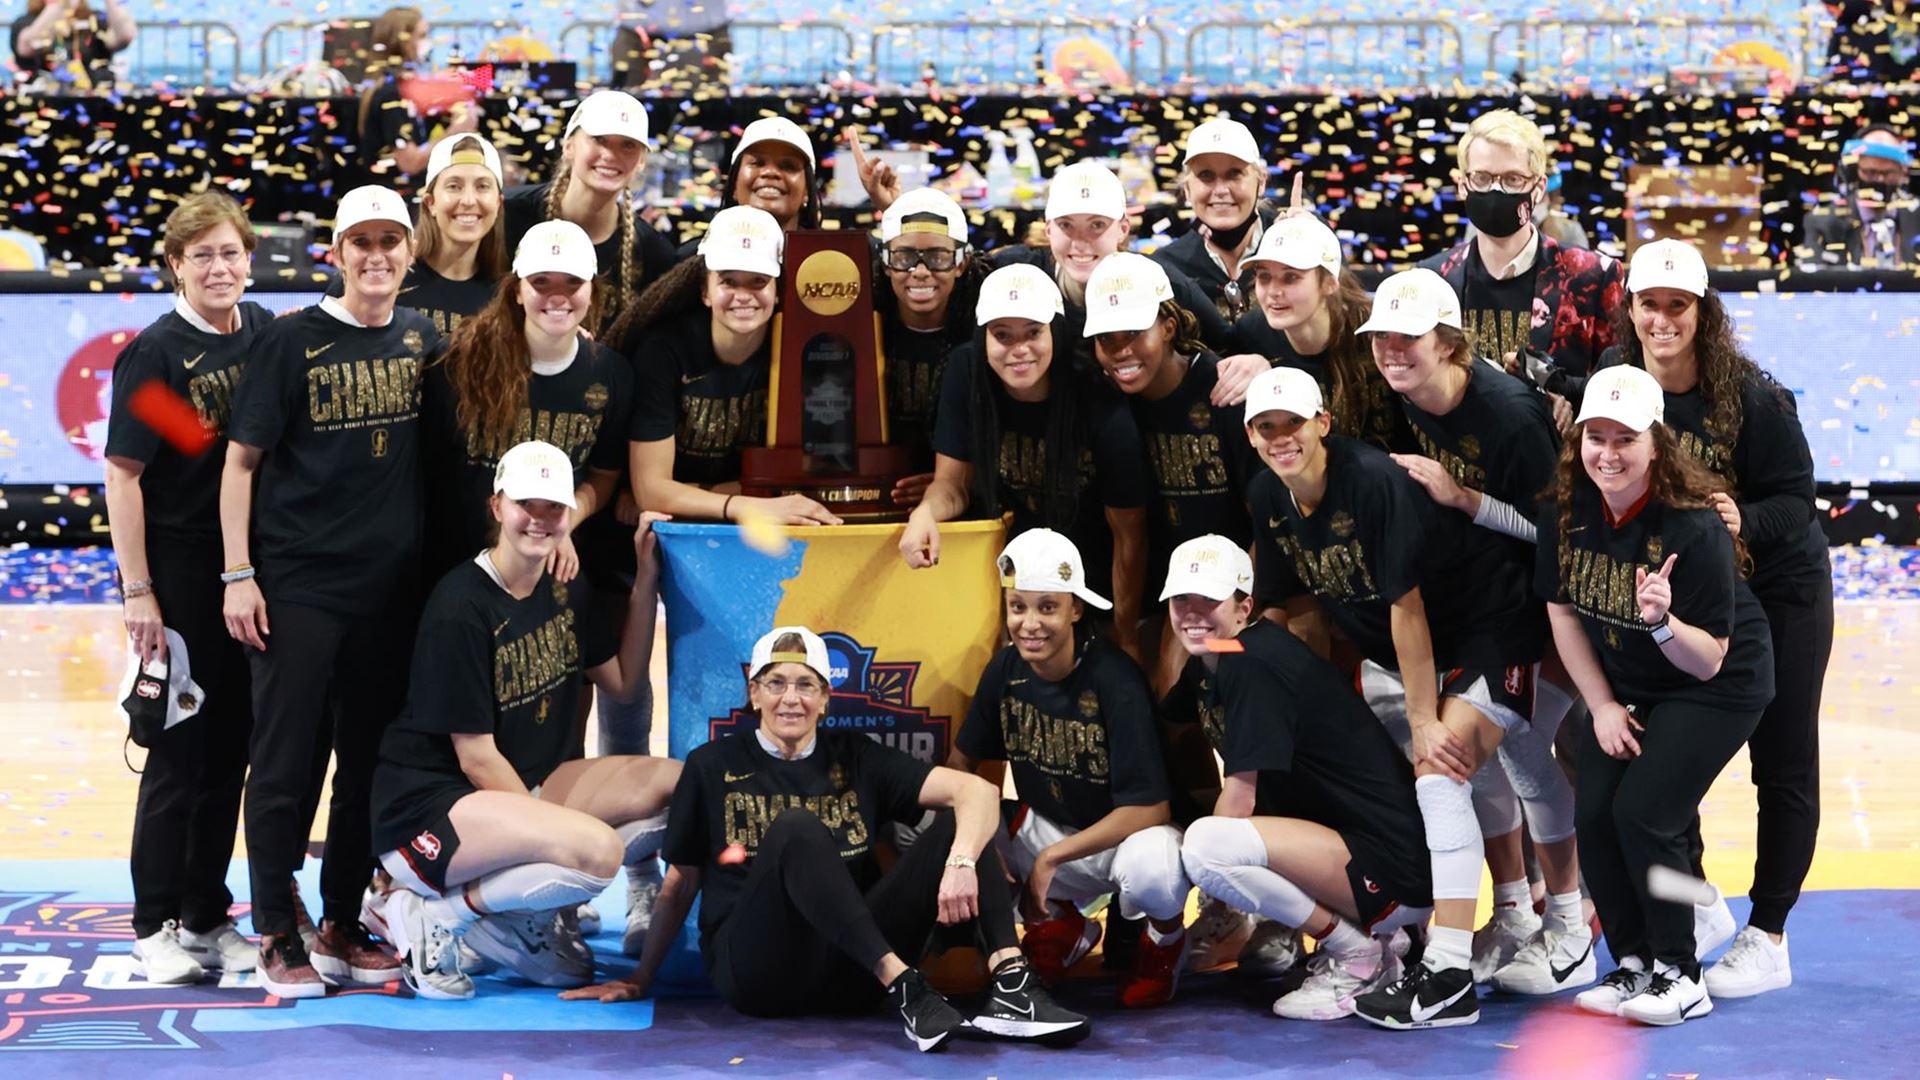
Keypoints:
pixel 808 689
pixel 1511 183
pixel 203 259
pixel 903 260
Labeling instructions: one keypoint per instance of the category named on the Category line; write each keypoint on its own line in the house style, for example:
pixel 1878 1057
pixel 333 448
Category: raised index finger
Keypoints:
pixel 1299 201
pixel 859 151
pixel 1667 567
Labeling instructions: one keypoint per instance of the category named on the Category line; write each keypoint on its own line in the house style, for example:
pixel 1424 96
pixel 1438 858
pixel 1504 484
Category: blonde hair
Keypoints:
pixel 1504 127
pixel 201 213
pixel 624 275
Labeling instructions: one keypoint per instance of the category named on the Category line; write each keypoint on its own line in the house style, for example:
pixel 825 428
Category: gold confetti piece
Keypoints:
pixel 761 532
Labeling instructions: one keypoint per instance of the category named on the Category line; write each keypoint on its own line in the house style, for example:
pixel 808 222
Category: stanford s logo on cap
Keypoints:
pixel 1013 294
pixel 556 249
pixel 1086 193
pixel 1615 396
pixel 1393 305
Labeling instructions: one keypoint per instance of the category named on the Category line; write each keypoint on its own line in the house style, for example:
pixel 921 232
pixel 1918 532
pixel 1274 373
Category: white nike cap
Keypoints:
pixel 813 652
pixel 1302 242
pixel 1667 264
pixel 1222 135
pixel 1626 394
pixel 1041 560
pixel 1019 291
pixel 743 238
pixel 556 246
pixel 370 203
pixel 1284 389
pixel 775 129
pixel 1412 302
pixel 1086 187
pixel 465 149
pixel 610 112
pixel 1125 293
pixel 1211 566
pixel 535 470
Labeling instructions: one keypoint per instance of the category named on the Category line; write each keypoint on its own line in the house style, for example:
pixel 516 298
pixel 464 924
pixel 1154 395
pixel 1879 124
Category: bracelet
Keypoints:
pixel 241 574
pixel 960 862
pixel 134 589
pixel 723 508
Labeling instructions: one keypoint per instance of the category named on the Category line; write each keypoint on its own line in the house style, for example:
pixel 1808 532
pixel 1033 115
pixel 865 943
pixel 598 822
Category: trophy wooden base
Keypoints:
pixel 861 494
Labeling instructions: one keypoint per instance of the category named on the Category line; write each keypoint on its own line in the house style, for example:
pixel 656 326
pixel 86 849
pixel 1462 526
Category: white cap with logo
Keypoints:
pixel 813 652
pixel 1125 293
pixel 1667 264
pixel 1211 566
pixel 1222 135
pixel 610 112
pixel 1284 389
pixel 1625 394
pixel 464 149
pixel 1019 291
pixel 1303 243
pixel 1041 560
pixel 775 129
pixel 556 246
pixel 369 203
pixel 924 204
pixel 1086 187
pixel 1412 302
pixel 743 238
pixel 535 470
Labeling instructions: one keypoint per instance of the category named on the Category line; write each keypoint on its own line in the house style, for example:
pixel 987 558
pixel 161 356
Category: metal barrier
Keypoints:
pixel 1376 54
pixel 804 53
pixel 294 42
pixel 1598 54
pixel 300 41
pixel 1007 52
pixel 193 53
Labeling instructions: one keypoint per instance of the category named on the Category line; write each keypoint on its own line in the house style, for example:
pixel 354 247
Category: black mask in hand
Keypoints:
pixel 1498 214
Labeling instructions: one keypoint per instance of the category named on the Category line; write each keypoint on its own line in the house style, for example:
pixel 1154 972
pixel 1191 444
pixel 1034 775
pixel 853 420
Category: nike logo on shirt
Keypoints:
pixel 188 364
pixel 311 353
pixel 733 779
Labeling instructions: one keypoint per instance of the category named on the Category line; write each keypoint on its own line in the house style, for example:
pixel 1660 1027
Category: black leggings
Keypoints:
pixel 801 939
pixel 1638 813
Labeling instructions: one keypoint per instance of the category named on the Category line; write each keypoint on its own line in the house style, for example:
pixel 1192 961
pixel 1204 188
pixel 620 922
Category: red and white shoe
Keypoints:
pixel 1054 945
pixel 1156 971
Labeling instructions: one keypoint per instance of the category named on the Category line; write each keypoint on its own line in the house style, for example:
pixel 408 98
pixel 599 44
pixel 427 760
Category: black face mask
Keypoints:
pixel 1498 214
pixel 1228 239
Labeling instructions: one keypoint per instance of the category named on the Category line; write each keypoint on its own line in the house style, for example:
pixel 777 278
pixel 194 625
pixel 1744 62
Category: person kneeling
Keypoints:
pixel 488 832
pixel 1317 827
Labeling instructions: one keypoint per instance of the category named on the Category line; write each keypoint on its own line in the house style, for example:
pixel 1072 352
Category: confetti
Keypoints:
pixel 761 533
pixel 732 855
pixel 170 417
pixel 1224 645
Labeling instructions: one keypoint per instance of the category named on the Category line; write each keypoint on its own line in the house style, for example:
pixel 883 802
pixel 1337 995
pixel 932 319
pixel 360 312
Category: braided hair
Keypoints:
pixel 621 289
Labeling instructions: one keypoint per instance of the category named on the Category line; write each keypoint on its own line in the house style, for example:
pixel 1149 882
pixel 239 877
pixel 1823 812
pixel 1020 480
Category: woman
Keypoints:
pixel 775 827
pixel 602 149
pixel 1409 590
pixel 70 41
pixel 485 826
pixel 1486 449
pixel 701 344
pixel 1221 178
pixel 1063 455
pixel 1316 827
pixel 1670 651
pixel 396 142
pixel 1075 720
pixel 1743 426
pixel 163 508
pixel 773 169
pixel 327 424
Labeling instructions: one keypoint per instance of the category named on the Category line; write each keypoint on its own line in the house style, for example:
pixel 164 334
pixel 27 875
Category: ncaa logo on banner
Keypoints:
pixel 870 696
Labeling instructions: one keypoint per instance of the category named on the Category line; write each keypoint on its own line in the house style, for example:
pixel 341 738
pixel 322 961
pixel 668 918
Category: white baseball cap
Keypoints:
pixel 1286 389
pixel 463 149
pixel 743 238
pixel 1125 293
pixel 1211 566
pixel 1041 560
pixel 1412 302
pixel 1667 264
pixel 1019 291
pixel 1302 242
pixel 1086 187
pixel 610 112
pixel 556 246
pixel 1222 135
pixel 924 202
pixel 1624 393
pixel 535 470
pixel 370 203
pixel 775 129
pixel 813 652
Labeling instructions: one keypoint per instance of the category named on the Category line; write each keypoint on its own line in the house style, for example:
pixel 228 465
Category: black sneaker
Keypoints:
pixel 928 1018
pixel 1423 998
pixel 1018 1007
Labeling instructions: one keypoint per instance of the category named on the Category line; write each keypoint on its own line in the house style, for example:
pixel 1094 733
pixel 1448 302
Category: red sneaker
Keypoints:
pixel 303 922
pixel 1156 971
pixel 1055 945
pixel 285 969
pixel 349 954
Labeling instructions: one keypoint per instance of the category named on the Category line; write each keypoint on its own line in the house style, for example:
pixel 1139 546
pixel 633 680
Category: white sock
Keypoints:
pixel 1448 948
pixel 453 908
pixel 1565 913
pixel 1159 937
pixel 1513 894
pixel 1350 944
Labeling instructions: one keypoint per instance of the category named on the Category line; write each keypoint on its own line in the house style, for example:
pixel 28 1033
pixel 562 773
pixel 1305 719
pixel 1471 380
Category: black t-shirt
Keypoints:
pixel 583 410
pixel 1598 581
pixel 446 301
pixel 335 409
pixel 84 43
pixel 709 409
pixel 1498 315
pixel 182 494
pixel 1201 462
pixel 653 254
pixel 486 663
pixel 1280 711
pixel 1078 747
pixel 731 790
pixel 915 361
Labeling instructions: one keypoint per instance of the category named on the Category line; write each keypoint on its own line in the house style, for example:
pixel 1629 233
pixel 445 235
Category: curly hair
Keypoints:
pixel 1067 435
pixel 677 290
pixel 809 210
pixel 486 364
pixel 1677 479
pixel 1724 368
pixel 623 279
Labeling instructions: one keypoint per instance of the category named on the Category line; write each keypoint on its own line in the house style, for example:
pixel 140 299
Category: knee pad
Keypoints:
pixel 1149 870
pixel 1494 803
pixel 1551 704
pixel 642 839
pixel 1536 777
pixel 538 887
pixel 1453 837
pixel 1216 842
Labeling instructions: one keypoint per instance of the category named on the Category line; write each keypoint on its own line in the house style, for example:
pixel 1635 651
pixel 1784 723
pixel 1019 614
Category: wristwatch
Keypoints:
pixel 1662 631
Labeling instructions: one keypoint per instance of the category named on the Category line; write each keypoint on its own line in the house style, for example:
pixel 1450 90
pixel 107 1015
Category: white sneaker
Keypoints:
pixel 1548 963
pixel 1271 951
pixel 1329 990
pixel 1621 984
pixel 587 918
pixel 570 938
pixel 643 888
pixel 1713 925
pixel 1670 998
pixel 163 961
pixel 1754 965
pixel 524 943
pixel 222 948
pixel 428 949
pixel 373 911
pixel 1500 940
pixel 1217 935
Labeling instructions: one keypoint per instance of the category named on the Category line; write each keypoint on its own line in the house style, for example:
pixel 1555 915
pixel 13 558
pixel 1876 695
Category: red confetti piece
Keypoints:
pixel 1224 645
pixel 170 417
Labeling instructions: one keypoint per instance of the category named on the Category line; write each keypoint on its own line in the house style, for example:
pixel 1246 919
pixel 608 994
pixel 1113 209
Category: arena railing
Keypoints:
pixel 1010 52
pixel 1616 53
pixel 299 41
pixel 188 53
pixel 1374 54
pixel 802 53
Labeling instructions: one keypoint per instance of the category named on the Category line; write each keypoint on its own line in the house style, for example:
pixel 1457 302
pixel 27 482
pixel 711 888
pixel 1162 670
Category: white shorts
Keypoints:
pixel 1144 869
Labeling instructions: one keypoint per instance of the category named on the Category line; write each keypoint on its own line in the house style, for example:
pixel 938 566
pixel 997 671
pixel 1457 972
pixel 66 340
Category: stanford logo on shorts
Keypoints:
pixel 1516 680
pixel 1369 882
pixel 428 845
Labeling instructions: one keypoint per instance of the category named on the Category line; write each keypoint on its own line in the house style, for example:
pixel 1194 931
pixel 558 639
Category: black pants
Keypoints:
pixel 326 680
pixel 189 801
pixel 1785 755
pixel 1636 814
pixel 801 939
